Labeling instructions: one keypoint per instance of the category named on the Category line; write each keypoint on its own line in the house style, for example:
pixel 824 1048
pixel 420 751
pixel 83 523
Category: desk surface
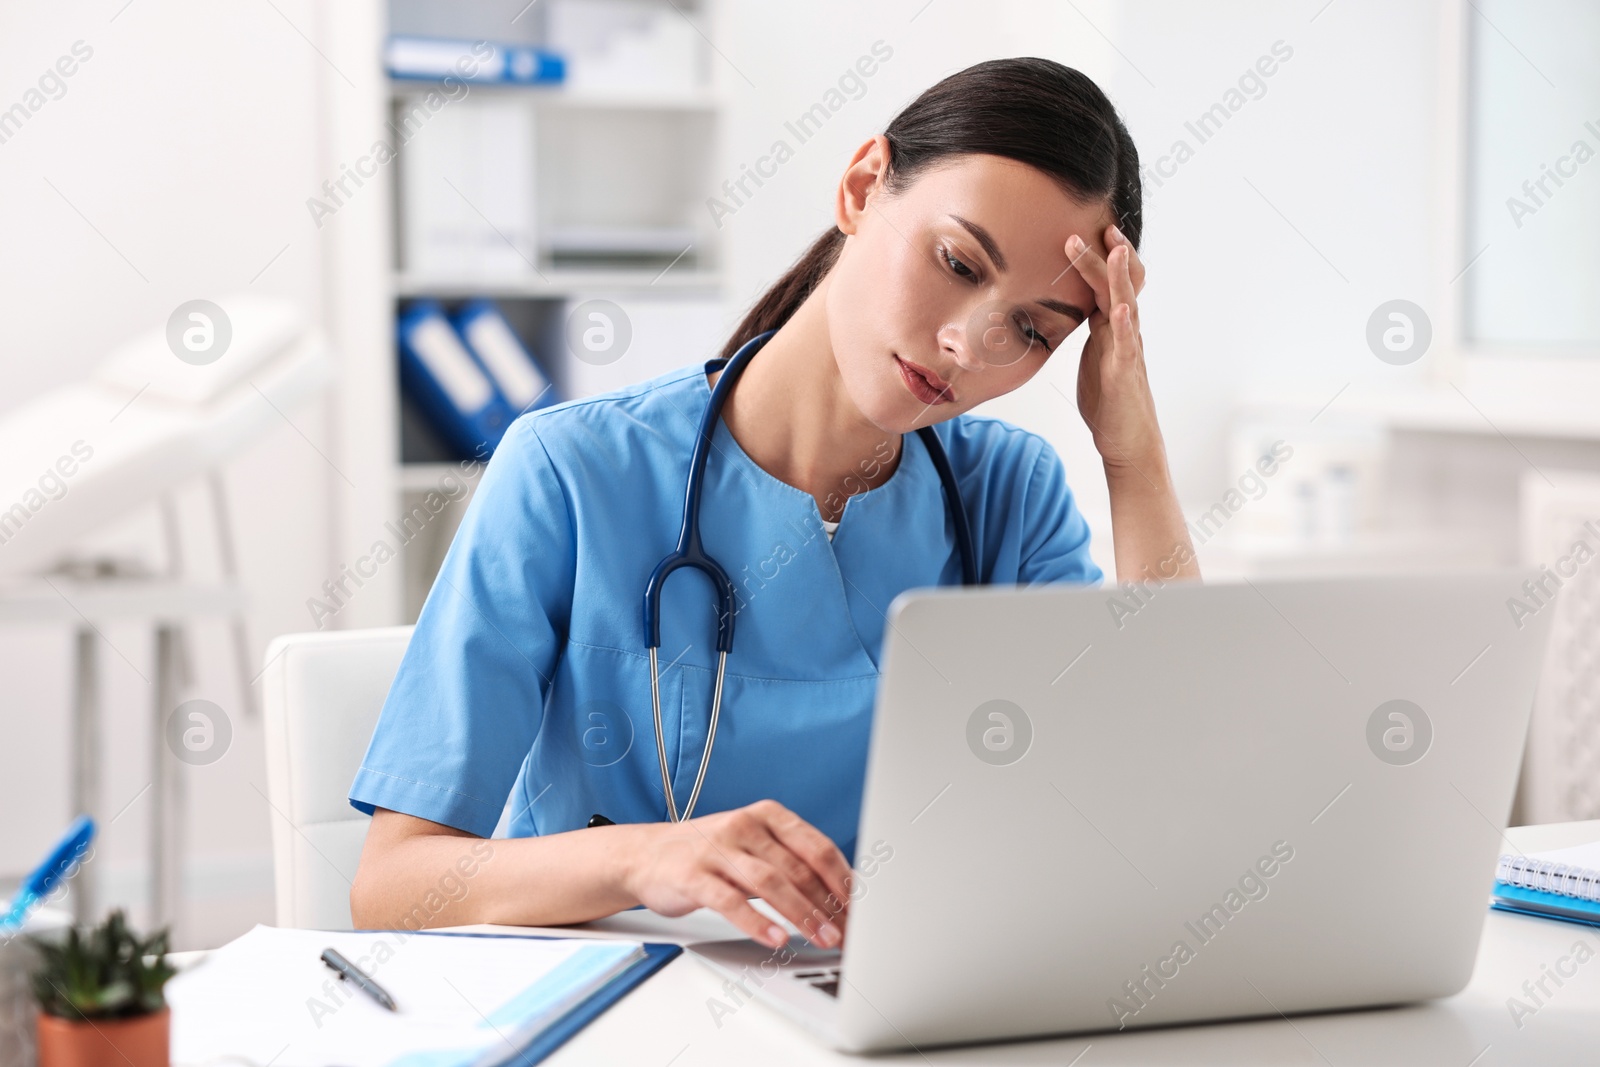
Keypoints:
pixel 668 1019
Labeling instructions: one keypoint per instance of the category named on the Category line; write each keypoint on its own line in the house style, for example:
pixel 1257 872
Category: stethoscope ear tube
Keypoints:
pixel 691 556
pixel 690 552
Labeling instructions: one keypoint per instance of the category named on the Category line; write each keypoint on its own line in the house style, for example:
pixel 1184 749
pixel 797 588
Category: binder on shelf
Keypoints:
pixel 434 58
pixel 455 393
pixel 1561 884
pixel 665 243
pixel 637 45
pixel 514 371
pixel 468 189
pixel 667 331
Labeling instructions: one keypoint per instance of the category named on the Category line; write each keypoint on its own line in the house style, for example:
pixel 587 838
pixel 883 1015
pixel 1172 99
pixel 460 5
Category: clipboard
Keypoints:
pixel 656 956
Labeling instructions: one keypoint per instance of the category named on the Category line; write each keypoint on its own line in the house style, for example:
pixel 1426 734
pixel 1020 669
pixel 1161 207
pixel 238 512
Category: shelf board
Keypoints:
pixel 705 100
pixel 557 282
pixel 424 477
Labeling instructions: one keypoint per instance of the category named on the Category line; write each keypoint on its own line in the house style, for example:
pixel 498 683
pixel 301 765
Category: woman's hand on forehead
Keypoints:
pixel 1096 270
pixel 1113 388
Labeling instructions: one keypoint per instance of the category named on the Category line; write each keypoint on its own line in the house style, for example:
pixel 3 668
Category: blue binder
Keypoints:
pixel 516 374
pixel 455 393
pixel 434 58
pixel 656 956
pixel 1543 905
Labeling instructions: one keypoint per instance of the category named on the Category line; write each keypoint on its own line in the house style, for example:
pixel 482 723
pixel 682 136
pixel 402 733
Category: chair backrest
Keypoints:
pixel 1559 783
pixel 321 696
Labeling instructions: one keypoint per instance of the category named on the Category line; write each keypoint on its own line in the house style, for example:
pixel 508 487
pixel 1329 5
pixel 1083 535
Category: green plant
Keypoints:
pixel 102 972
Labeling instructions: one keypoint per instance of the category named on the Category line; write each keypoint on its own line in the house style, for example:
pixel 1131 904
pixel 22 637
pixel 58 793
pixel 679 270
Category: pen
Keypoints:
pixel 357 977
pixel 57 867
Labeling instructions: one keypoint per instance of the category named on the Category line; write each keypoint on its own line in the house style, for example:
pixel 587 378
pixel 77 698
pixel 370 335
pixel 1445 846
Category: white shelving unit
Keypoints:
pixel 558 283
pixel 628 157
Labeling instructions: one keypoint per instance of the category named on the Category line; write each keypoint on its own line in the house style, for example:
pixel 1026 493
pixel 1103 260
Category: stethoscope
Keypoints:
pixel 691 553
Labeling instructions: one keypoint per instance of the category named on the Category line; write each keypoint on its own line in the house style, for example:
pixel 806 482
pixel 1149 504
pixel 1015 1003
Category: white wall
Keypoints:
pixel 1235 298
pixel 174 166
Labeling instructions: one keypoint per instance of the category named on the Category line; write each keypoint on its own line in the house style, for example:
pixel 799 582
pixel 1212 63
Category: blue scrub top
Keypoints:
pixel 527 678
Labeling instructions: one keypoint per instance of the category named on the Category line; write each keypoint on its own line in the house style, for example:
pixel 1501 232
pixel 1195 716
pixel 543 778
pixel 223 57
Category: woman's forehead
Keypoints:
pixel 1018 195
pixel 1026 213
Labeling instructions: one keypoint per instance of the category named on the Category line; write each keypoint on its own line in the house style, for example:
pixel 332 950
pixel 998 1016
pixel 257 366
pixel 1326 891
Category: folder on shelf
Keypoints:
pixel 434 58
pixel 468 188
pixel 667 331
pixel 1561 884
pixel 462 999
pixel 455 393
pixel 516 374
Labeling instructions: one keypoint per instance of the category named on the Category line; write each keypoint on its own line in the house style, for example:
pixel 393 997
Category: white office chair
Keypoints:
pixel 1560 782
pixel 321 696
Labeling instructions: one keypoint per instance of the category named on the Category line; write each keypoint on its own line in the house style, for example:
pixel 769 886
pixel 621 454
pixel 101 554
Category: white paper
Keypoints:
pixel 1585 857
pixel 268 997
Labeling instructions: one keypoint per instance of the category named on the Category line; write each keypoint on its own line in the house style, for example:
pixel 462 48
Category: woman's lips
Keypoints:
pixel 924 384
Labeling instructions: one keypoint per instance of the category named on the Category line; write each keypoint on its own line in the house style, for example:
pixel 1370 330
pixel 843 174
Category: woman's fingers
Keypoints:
pixel 826 907
pixel 762 879
pixel 1115 237
pixel 811 845
pixel 1103 273
pixel 1122 292
pixel 732 903
pixel 1087 262
pixel 761 850
pixel 1122 334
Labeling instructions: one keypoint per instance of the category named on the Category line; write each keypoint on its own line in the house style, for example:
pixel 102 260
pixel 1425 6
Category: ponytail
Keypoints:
pixel 789 291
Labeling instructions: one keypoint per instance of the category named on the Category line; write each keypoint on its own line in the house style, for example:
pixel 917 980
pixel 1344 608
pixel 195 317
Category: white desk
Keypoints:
pixel 666 1020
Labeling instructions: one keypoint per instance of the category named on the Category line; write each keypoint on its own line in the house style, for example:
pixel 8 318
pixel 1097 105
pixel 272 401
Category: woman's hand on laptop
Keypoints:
pixel 720 861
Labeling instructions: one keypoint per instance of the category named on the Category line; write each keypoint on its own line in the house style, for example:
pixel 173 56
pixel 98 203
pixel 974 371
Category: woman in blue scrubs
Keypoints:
pixel 997 213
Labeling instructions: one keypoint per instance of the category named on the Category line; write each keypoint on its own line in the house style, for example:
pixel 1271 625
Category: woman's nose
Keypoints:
pixel 956 341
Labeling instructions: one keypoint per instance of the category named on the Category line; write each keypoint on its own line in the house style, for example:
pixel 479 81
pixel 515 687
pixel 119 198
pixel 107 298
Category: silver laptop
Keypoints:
pixel 1086 810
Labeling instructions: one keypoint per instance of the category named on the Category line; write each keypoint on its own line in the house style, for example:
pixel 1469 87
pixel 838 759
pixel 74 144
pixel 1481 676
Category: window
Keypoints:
pixel 1533 175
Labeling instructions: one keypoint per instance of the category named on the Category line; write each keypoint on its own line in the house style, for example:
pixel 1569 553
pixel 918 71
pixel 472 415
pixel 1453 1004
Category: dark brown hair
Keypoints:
pixel 1035 111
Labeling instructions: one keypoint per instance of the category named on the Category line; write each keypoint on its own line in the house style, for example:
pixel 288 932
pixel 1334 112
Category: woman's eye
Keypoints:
pixel 1031 335
pixel 956 265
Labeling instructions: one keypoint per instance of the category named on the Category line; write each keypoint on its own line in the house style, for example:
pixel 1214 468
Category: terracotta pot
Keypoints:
pixel 140 1041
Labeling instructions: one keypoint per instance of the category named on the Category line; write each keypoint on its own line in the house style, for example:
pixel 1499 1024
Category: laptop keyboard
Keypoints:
pixel 825 979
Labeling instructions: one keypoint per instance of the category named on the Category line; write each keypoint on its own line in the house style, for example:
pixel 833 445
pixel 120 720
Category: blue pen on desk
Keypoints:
pixel 57 868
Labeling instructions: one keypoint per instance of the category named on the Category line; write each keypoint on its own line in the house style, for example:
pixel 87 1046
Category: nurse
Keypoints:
pixel 996 214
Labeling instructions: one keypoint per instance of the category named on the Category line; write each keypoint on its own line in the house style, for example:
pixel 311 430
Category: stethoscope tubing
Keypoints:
pixel 690 552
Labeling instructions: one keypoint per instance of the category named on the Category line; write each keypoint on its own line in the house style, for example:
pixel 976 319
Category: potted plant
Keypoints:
pixel 100 997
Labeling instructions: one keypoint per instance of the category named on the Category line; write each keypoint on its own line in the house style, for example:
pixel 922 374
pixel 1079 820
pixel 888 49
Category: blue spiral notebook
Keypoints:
pixel 463 999
pixel 1561 884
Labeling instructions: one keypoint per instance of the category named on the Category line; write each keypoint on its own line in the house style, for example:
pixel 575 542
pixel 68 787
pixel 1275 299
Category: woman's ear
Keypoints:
pixel 862 178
